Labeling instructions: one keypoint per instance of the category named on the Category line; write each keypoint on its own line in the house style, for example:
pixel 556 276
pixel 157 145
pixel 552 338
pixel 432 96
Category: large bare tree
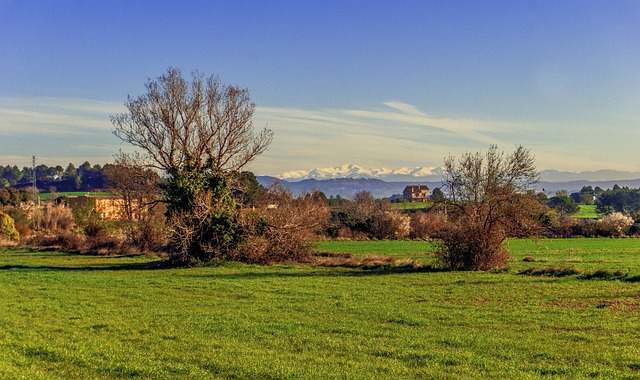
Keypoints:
pixel 490 198
pixel 192 123
pixel 198 132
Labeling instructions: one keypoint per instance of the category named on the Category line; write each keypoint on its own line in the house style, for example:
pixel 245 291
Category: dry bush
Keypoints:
pixel 492 198
pixel 104 244
pixel 392 224
pixel 65 240
pixel 615 224
pixel 466 247
pixel 427 225
pixel 53 218
pixel 368 218
pixel 328 259
pixel 146 236
pixel 283 228
pixel 557 225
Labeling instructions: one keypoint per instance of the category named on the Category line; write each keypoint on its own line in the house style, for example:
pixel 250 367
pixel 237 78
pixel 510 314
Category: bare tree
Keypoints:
pixel 490 200
pixel 195 124
pixel 198 132
pixel 135 186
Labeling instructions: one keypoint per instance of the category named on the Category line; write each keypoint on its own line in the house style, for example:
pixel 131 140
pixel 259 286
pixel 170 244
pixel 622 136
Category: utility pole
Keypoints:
pixel 35 188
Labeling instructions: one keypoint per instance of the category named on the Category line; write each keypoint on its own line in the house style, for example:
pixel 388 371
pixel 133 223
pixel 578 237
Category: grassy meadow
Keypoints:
pixel 588 212
pixel 48 196
pixel 76 316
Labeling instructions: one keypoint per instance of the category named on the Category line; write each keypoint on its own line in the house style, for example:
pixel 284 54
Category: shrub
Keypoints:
pixel 615 224
pixel 21 221
pixel 427 225
pixel 146 236
pixel 53 218
pixel 65 240
pixel 8 228
pixel 465 247
pixel 368 218
pixel 283 229
pixel 492 196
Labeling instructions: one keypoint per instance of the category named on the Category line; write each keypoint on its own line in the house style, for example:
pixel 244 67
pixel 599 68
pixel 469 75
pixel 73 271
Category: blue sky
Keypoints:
pixel 373 83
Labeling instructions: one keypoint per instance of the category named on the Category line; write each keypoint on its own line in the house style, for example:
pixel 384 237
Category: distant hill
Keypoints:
pixel 346 187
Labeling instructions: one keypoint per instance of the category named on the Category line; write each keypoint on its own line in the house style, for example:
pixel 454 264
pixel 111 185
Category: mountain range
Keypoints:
pixel 434 174
pixel 347 180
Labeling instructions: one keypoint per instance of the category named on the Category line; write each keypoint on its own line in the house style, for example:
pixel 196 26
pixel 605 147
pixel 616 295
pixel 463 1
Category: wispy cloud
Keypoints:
pixel 57 129
pixel 395 134
pixel 400 134
pixel 55 116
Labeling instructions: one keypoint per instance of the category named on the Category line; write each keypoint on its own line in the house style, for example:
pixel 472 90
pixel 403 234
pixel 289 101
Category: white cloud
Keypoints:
pixel 396 134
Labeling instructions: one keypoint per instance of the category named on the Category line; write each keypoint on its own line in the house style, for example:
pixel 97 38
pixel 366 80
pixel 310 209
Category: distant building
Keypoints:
pixel 110 208
pixel 416 193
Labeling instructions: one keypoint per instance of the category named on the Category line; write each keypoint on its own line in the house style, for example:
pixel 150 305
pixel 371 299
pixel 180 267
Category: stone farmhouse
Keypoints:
pixel 107 208
pixel 416 193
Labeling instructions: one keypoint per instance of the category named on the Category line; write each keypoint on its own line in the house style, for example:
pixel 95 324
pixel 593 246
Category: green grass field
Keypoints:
pixel 47 196
pixel 588 212
pixel 411 205
pixel 76 317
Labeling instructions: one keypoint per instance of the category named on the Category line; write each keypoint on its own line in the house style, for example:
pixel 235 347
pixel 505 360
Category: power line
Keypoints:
pixel 35 188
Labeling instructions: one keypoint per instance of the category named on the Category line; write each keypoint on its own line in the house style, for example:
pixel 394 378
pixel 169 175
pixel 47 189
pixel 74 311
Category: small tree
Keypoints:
pixel 197 133
pixel 8 228
pixel 615 224
pixel 564 204
pixel 489 201
pixel 135 186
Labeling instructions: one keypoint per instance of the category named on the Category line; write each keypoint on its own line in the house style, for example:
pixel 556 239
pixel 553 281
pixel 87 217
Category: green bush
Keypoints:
pixel 8 228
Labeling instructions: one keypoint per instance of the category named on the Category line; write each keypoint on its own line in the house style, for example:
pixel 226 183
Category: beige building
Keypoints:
pixel 111 208
pixel 416 193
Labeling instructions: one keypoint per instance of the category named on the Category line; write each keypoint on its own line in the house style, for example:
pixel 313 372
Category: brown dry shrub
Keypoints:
pixel 465 247
pixel 146 237
pixel 283 229
pixel 427 225
pixel 53 218
pixel 64 240
pixel 615 224
pixel 105 244
pixel 371 261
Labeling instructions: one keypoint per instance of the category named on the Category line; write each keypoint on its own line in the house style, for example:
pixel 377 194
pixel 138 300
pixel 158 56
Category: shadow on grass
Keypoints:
pixel 318 271
pixel 97 267
pixel 244 273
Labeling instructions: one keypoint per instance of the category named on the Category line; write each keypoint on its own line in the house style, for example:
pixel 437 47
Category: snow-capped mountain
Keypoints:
pixel 355 171
pixel 421 173
pixel 347 180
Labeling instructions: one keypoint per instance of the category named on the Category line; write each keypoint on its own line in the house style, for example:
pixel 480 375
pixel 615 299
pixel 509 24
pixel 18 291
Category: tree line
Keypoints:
pixel 85 177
